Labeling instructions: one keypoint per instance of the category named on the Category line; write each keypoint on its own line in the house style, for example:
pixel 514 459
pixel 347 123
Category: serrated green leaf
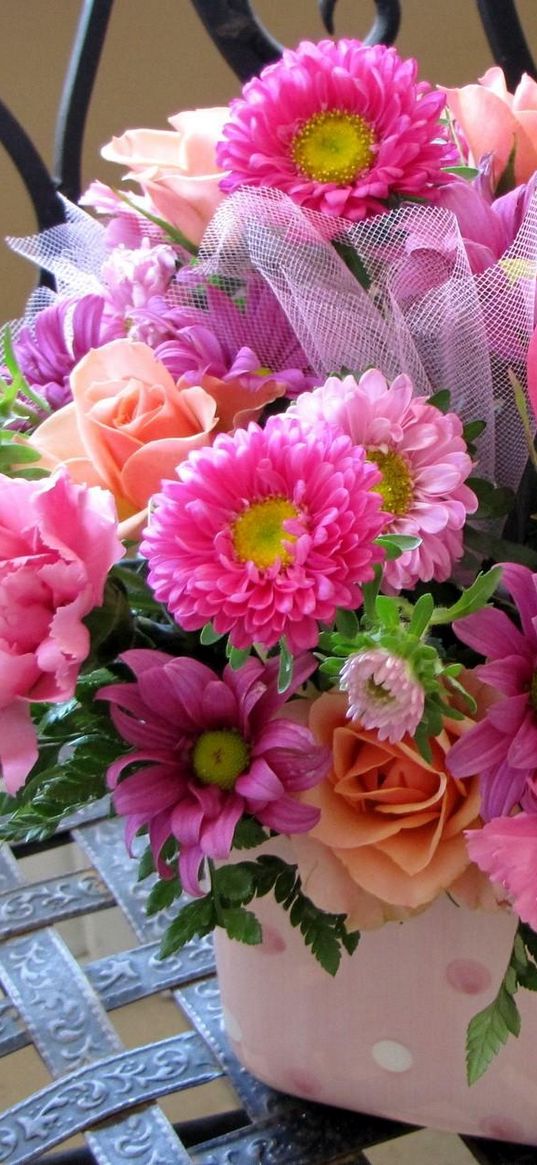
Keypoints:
pixel 241 925
pixel 146 865
pixel 350 940
pixel 248 834
pixel 488 1032
pixel 163 893
pixel 235 883
pixel 196 918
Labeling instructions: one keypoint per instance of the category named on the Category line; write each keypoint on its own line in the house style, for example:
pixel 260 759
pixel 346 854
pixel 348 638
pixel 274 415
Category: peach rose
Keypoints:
pixel 393 821
pixel 128 426
pixel 494 120
pixel 176 170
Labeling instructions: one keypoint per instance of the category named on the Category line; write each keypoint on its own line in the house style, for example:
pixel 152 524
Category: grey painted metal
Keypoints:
pixel 101 1090
pixel 10 874
pixel 30 906
pixel 103 842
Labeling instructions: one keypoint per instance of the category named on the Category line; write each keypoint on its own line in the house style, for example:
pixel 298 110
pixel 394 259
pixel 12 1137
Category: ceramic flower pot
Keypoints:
pixel 387 1034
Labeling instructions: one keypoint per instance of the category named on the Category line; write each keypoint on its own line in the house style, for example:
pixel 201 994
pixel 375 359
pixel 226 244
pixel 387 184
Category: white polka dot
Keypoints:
pixel 392 1056
pixel 232 1026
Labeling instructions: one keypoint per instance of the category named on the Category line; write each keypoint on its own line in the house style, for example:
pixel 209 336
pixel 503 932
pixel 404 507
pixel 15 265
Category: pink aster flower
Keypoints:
pixel 502 747
pixel 383 693
pixel 422 456
pixel 340 127
pixel 266 534
pixel 506 850
pixel 208 749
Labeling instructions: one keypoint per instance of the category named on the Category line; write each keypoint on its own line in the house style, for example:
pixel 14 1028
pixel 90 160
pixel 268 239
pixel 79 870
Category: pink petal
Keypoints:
pixel 506 850
pixel 18 744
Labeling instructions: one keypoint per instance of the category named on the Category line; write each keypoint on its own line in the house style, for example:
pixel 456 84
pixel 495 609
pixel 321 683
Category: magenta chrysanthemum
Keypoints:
pixel 208 749
pixel 502 748
pixel 340 127
pixel 422 456
pixel 266 533
pixel 383 693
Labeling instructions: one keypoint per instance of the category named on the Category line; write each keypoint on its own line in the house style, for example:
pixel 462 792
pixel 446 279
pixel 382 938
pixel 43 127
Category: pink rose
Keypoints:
pixel 492 121
pixel 57 543
pixel 177 171
pixel 128 426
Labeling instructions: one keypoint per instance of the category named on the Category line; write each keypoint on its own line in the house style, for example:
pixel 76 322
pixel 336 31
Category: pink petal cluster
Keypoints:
pixel 506 850
pixel 57 543
pixel 371 82
pixel 426 466
pixel 502 747
pixel 327 544
pixel 133 276
pixel 383 693
pixel 164 713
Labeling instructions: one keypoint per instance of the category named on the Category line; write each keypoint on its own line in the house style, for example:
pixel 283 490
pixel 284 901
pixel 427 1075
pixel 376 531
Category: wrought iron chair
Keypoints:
pixel 50 1001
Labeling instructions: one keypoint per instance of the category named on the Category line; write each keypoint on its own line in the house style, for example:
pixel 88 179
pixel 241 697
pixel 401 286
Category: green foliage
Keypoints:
pixel 232 889
pixel 249 834
pixel 472 599
pixel 285 671
pixel 78 742
pixel 494 501
pixel 489 1030
pixel 163 894
pixel 353 262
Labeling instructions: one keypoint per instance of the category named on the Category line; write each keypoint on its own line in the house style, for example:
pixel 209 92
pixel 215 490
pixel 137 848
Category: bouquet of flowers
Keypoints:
pixel 269 556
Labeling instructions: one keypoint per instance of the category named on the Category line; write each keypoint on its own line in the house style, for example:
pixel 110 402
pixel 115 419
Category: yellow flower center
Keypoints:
pixel 220 756
pixel 396 488
pixel 334 147
pixel 258 533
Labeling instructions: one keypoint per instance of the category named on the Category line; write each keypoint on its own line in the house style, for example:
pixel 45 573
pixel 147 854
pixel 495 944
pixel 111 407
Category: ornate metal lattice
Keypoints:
pixel 110 1093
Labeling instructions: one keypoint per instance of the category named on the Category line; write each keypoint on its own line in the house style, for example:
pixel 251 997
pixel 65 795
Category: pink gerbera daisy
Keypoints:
pixel 340 127
pixel 422 456
pixel 266 533
pixel 208 749
pixel 502 748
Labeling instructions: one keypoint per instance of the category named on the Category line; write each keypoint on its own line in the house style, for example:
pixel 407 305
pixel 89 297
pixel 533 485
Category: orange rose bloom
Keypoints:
pixel 392 820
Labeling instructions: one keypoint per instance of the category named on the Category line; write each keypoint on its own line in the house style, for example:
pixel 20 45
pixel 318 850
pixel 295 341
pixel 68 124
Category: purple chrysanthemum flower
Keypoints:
pixel 208 749
pixel 48 349
pixel 502 747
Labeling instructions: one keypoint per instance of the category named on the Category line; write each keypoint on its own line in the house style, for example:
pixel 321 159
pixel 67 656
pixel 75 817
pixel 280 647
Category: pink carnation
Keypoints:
pixel 506 850
pixel 422 456
pixel 57 543
pixel 211 749
pixel 340 127
pixel 266 534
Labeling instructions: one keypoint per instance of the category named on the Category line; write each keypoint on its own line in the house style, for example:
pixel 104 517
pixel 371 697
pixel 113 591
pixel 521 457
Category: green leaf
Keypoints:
pixel 196 918
pixel 285 671
pixel 441 400
pixel 466 172
pixel 173 232
pixel 146 865
pixel 163 893
pixel 507 179
pixel 387 612
pixel 235 883
pixel 494 501
pixel 353 262
pixel 350 940
pixel 488 1031
pixel 208 635
pixel 499 548
pixel 421 615
pixel 523 412
pixel 347 623
pixel 472 599
pixel 248 834
pixel 396 544
pixel 236 656
pixel 241 924
pixel 472 430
